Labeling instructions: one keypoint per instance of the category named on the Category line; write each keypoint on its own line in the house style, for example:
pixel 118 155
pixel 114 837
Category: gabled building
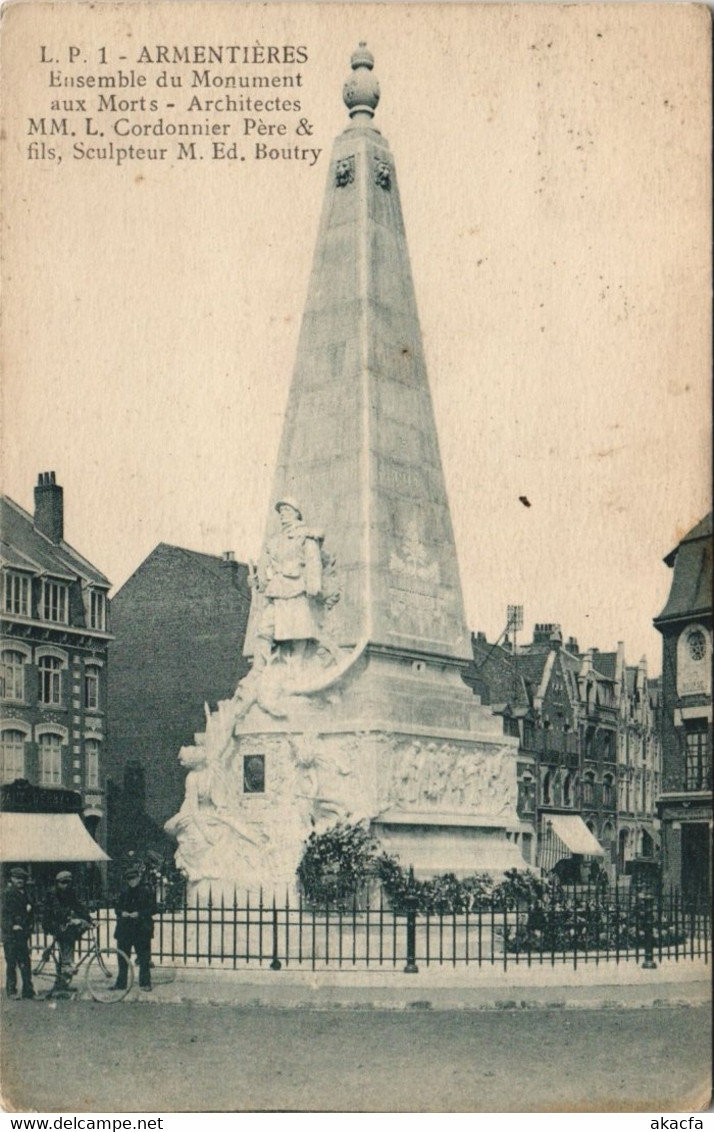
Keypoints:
pixel 685 800
pixel 599 697
pixel 534 689
pixel 53 655
pixel 588 761
pixel 179 626
pixel 501 685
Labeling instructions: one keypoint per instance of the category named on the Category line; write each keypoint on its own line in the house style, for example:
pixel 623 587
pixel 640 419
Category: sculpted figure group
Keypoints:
pixel 213 841
pixel 433 774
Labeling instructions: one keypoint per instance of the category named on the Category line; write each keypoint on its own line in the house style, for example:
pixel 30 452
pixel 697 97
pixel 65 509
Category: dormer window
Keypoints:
pixel 97 610
pixel 54 602
pixel 17 594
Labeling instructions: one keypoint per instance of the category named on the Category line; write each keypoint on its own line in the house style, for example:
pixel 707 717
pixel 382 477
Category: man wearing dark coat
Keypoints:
pixel 135 926
pixel 66 918
pixel 17 923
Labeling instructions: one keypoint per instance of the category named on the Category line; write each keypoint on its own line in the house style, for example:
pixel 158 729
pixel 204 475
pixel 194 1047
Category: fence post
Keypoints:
pixel 411 901
pixel 648 901
pixel 275 964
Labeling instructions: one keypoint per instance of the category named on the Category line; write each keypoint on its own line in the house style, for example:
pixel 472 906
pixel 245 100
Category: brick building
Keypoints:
pixel 53 653
pixel 685 799
pixel 179 625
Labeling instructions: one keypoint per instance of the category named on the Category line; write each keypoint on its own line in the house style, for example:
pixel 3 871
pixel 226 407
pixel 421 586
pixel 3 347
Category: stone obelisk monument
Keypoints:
pixel 355 707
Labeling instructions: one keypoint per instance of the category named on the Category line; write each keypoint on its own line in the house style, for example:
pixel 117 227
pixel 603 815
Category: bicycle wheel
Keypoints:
pixel 45 973
pixel 103 974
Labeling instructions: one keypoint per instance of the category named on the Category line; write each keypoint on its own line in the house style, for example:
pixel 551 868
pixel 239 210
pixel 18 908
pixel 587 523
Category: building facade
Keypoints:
pixel 54 634
pixel 589 746
pixel 685 799
pixel 179 626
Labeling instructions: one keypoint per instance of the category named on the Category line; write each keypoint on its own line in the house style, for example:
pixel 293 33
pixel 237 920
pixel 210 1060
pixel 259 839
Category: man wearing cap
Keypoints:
pixel 135 909
pixel 66 918
pixel 17 923
pixel 290 579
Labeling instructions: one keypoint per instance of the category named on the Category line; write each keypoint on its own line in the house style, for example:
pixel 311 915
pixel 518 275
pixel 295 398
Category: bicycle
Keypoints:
pixel 100 969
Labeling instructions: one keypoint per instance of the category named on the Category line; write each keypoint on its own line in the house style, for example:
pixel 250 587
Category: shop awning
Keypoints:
pixel 573 831
pixel 47 837
pixel 566 834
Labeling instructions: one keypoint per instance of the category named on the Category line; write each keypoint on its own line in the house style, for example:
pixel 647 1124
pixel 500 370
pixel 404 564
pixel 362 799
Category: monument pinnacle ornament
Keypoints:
pixel 355 706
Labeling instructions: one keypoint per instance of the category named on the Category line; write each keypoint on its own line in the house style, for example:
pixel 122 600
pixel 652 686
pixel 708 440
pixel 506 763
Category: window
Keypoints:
pixel 50 670
pixel 567 793
pixel 698 765
pixel 17 595
pixel 697 645
pixel 54 602
pixel 526 790
pixel 50 760
pixel 546 789
pixel 91 748
pixel 12 748
pixel 608 792
pixel 694 661
pixel 12 675
pixel 510 727
pixel 589 789
pixel 91 687
pixel 97 610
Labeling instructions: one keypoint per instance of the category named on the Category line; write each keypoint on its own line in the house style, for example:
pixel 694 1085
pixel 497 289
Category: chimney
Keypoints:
pixel 542 632
pixel 229 555
pixel 573 645
pixel 49 507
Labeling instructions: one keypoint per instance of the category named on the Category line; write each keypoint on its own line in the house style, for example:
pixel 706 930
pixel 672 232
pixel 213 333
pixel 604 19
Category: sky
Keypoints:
pixel 553 165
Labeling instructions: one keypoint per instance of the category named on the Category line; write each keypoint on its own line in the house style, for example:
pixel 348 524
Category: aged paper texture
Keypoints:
pixel 164 166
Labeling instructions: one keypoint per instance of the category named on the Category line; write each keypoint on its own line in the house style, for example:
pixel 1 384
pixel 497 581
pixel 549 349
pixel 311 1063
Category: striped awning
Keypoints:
pixel 564 835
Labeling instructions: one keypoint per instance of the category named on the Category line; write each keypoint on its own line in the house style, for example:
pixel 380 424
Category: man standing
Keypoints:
pixel 290 576
pixel 17 924
pixel 66 918
pixel 135 926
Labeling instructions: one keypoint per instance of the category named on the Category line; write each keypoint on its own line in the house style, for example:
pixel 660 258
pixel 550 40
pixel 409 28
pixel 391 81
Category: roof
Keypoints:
pixel 605 663
pixel 703 529
pixel 23 547
pixel 47 837
pixel 212 564
pixel 691 589
pixel 495 668
pixel 531 667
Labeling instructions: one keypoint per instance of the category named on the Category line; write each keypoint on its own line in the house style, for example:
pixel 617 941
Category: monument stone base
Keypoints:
pixel 274 766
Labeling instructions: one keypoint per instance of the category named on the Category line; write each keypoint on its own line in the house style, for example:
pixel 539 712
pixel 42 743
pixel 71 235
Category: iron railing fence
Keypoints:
pixel 584 927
